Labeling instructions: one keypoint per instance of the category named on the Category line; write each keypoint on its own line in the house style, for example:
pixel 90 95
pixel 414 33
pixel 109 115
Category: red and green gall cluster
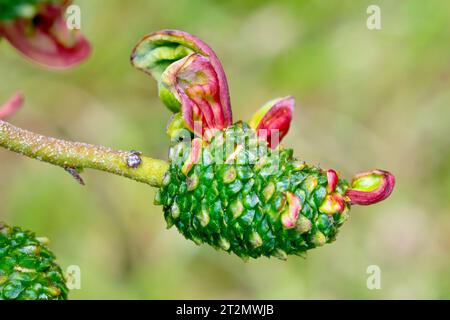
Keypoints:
pixel 267 203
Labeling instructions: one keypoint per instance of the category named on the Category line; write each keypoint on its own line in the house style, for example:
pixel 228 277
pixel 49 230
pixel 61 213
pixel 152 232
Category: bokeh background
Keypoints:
pixel 365 99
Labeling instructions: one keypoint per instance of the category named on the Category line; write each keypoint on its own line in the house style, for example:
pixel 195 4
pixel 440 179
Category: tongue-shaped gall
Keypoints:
pixel 195 83
pixel 371 187
pixel 11 106
pixel 273 120
pixel 156 52
pixel 46 39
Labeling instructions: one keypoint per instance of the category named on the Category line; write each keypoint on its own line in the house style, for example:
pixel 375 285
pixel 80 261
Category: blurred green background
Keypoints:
pixel 365 99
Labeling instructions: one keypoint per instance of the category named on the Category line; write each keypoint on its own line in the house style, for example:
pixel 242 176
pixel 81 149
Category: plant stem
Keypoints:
pixel 77 155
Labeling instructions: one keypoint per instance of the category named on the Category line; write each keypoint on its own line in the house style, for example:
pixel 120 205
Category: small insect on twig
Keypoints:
pixel 134 159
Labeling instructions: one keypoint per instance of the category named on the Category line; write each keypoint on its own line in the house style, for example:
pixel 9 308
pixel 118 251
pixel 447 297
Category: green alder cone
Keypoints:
pixel 27 268
pixel 242 205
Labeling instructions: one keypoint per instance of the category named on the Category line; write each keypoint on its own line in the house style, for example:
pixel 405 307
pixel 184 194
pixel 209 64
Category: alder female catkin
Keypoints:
pixel 28 270
pixel 255 201
pixel 248 205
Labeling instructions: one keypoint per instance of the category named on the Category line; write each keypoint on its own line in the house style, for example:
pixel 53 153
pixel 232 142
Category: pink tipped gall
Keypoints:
pixel 333 203
pixel 11 106
pixel 333 179
pixel 290 216
pixel 193 157
pixel 273 120
pixel 46 39
pixel 371 187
